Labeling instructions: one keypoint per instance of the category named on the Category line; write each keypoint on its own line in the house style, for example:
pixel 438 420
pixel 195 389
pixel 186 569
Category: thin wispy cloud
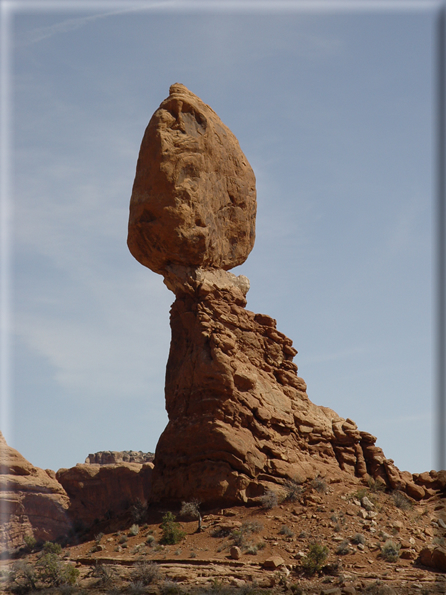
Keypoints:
pixel 36 35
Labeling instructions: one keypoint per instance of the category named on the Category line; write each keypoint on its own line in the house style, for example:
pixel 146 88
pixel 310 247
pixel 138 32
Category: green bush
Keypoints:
pixel 22 577
pixel 54 573
pixel 172 532
pixel 30 542
pixel 315 559
pixel 52 548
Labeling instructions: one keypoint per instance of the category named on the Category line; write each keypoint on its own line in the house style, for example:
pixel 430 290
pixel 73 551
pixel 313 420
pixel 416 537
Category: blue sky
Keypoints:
pixel 334 109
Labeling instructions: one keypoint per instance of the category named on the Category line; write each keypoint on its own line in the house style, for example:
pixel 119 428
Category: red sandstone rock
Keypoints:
pixel 240 421
pixel 32 501
pixel 434 557
pixel 193 200
pixel 98 491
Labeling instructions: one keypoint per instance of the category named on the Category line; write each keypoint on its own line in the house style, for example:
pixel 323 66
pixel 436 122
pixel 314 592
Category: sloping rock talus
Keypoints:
pixel 32 501
pixel 240 420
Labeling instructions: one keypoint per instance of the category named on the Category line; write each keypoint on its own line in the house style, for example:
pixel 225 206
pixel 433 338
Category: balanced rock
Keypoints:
pixel 32 501
pixel 240 421
pixel 193 201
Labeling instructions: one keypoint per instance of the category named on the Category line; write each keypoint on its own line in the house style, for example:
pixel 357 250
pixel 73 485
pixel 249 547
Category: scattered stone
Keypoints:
pixel 235 552
pixel 367 504
pixel 273 563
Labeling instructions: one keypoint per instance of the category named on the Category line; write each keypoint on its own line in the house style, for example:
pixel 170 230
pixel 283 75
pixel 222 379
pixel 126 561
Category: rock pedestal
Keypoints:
pixel 240 420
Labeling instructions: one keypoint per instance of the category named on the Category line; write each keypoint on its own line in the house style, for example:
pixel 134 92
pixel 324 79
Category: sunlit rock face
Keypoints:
pixel 193 202
pixel 240 421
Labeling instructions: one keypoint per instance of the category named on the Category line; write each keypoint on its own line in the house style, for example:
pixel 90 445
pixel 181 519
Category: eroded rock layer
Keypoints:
pixel 32 501
pixel 240 420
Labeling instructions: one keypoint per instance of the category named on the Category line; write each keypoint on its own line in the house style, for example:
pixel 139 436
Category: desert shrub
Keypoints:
pixel 172 532
pixel 52 548
pixel 320 485
pixel 377 588
pixel 30 542
pixel 134 530
pixel 390 551
pixel 54 572
pixel 136 588
pixel 123 539
pixel 359 494
pixel 105 574
pixel 252 527
pixel 170 588
pixel 98 538
pixel 343 548
pixel 192 509
pixel 285 530
pixel 376 486
pixel 150 540
pixel 293 489
pixel 138 511
pixel 269 500
pixel 22 577
pixel 357 539
pixel 337 528
pixel 401 500
pixel 146 573
pixel 239 535
pixel 315 559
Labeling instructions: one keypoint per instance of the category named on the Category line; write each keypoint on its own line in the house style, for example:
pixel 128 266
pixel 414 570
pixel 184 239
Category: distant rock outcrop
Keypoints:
pixel 104 491
pixel 32 501
pixel 240 421
pixel 112 457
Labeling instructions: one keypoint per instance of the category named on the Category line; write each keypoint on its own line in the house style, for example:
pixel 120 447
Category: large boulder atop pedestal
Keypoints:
pixel 194 200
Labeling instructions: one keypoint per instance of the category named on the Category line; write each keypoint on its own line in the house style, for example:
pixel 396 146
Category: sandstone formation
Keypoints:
pixel 240 421
pixel 111 457
pixel 193 201
pixel 32 501
pixel 104 491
